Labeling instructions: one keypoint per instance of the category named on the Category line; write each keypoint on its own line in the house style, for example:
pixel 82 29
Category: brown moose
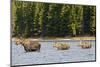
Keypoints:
pixel 85 45
pixel 29 45
pixel 61 46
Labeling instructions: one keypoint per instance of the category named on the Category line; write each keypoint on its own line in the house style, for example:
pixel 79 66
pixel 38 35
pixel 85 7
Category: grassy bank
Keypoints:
pixel 60 38
pixel 82 38
pixel 72 38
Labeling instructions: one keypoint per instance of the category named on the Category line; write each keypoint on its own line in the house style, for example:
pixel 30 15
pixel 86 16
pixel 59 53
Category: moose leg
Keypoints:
pixel 26 49
pixel 39 48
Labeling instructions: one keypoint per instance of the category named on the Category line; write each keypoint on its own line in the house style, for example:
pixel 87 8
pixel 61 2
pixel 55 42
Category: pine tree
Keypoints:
pixel 65 19
pixel 36 19
pixel 93 20
pixel 19 18
pixel 13 18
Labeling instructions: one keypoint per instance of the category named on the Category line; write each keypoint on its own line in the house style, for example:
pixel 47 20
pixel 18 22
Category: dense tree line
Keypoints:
pixel 31 19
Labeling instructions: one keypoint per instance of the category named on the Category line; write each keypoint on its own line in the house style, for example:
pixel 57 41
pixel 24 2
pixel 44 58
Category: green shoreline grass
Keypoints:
pixel 83 38
pixel 61 38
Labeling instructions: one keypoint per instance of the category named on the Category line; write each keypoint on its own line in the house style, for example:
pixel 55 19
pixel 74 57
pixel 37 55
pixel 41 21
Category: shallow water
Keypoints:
pixel 48 54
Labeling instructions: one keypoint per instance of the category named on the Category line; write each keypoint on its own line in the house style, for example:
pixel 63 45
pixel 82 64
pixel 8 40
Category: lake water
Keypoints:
pixel 48 54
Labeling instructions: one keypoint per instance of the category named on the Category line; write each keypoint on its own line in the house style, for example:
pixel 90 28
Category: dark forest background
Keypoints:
pixel 32 19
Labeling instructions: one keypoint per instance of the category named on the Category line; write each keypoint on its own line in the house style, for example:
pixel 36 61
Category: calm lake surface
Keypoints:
pixel 48 54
